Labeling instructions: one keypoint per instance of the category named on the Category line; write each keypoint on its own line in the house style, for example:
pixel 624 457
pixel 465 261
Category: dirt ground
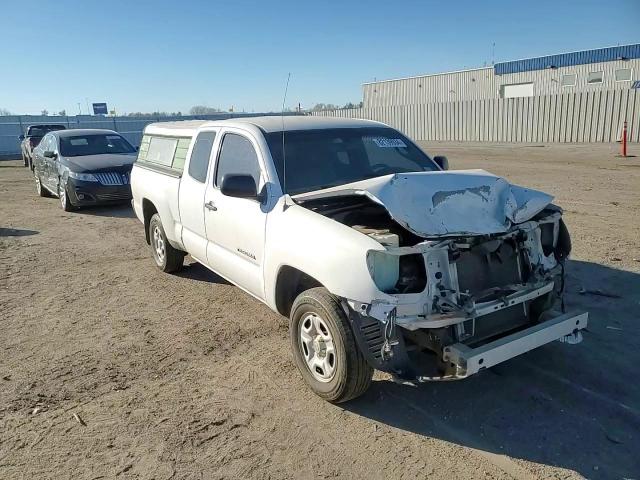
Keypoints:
pixel 111 369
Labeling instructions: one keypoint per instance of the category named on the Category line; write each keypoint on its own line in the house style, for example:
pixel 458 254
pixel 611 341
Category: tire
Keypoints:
pixel 318 314
pixel 63 195
pixel 42 192
pixel 167 258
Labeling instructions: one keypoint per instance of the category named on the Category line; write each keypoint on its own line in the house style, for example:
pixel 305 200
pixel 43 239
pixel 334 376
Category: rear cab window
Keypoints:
pixel 164 152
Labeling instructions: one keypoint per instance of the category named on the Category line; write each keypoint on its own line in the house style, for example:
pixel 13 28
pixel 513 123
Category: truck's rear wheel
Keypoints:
pixel 167 258
pixel 324 348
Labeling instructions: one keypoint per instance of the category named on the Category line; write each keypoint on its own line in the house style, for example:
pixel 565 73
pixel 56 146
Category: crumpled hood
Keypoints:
pixel 446 203
pixel 89 163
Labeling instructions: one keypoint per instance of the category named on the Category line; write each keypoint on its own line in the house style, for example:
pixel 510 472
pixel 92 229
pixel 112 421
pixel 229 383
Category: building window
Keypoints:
pixel 568 80
pixel 595 77
pixel 623 75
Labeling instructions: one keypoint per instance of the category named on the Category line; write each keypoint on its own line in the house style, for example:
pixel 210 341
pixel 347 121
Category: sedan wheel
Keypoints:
pixel 64 199
pixel 42 192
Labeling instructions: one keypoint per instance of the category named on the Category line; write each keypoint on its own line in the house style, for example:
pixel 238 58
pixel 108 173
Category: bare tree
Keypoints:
pixel 44 112
pixel 62 113
pixel 203 110
pixel 4 112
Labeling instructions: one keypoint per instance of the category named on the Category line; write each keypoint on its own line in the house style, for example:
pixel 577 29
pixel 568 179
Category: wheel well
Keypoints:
pixel 290 283
pixel 148 210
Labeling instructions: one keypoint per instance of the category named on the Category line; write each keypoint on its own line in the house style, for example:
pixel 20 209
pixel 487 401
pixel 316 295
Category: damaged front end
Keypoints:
pixel 458 302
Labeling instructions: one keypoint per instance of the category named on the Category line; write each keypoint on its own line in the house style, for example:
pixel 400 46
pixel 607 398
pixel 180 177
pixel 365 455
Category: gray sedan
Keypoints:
pixel 84 167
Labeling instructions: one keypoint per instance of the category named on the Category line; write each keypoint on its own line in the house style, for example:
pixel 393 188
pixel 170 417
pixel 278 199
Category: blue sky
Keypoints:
pixel 165 55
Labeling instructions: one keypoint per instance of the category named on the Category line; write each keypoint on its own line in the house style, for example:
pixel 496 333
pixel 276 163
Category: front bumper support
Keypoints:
pixel 468 361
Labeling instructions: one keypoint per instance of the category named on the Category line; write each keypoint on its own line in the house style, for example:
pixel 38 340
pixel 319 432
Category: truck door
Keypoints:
pixel 193 185
pixel 236 226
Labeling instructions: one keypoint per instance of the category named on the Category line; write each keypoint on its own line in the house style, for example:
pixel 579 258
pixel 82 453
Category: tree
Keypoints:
pixel 44 112
pixel 318 107
pixel 4 112
pixel 62 113
pixel 203 110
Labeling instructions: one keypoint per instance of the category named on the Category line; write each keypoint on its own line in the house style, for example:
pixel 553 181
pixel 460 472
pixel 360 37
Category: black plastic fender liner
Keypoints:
pixel 563 244
pixel 369 333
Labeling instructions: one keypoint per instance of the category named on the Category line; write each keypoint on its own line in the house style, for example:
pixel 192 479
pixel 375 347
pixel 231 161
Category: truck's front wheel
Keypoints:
pixel 324 348
pixel 167 258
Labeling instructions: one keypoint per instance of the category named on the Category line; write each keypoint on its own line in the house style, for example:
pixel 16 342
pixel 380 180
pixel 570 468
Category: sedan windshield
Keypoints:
pixel 97 144
pixel 318 159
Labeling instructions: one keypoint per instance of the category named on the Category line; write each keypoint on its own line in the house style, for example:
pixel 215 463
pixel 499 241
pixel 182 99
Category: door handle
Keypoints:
pixel 210 206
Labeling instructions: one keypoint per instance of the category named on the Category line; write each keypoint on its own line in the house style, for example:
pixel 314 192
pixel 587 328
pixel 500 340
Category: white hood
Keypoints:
pixel 446 203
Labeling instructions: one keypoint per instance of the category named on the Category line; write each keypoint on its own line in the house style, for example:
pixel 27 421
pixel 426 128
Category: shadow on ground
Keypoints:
pixel 123 210
pixel 570 406
pixel 196 271
pixel 16 232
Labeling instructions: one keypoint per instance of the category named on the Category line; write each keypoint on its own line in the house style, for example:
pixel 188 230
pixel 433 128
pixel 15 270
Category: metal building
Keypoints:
pixel 612 68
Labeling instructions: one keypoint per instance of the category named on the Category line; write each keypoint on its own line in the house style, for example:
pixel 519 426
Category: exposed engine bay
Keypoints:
pixel 452 291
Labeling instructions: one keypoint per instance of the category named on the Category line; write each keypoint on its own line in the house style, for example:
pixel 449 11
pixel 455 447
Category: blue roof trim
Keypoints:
pixel 568 59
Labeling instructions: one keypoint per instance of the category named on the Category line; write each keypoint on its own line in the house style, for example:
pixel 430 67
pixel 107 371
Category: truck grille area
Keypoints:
pixel 480 270
pixel 497 324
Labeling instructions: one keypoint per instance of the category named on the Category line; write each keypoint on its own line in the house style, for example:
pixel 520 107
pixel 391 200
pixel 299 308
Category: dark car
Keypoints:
pixel 84 167
pixel 31 140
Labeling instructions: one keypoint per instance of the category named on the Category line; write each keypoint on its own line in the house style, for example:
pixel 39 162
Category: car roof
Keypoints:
pixel 82 131
pixel 267 123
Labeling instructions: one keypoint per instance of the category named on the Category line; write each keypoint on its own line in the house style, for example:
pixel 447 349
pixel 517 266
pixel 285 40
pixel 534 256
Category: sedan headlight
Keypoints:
pixel 85 177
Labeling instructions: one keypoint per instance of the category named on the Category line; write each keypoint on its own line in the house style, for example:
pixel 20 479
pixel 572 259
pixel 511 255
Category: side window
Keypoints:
pixel 161 150
pixel 200 155
pixel 237 157
pixel 144 148
pixel 47 144
pixel 43 143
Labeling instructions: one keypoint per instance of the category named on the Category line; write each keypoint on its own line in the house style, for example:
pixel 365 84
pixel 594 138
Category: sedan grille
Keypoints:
pixel 112 178
pixel 114 196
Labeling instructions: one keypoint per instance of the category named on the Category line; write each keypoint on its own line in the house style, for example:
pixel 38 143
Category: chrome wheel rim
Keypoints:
pixel 317 347
pixel 158 244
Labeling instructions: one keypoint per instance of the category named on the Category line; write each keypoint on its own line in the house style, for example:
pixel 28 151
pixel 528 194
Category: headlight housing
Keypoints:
pixel 85 177
pixel 383 268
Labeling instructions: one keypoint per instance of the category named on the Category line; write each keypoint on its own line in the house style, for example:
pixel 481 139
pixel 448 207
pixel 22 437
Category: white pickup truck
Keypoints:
pixel 380 257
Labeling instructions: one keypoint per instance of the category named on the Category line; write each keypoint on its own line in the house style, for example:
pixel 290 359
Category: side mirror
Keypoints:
pixel 442 162
pixel 21 137
pixel 50 154
pixel 240 186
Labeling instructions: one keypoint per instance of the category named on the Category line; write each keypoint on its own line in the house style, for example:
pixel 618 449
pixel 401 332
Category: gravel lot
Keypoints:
pixel 111 369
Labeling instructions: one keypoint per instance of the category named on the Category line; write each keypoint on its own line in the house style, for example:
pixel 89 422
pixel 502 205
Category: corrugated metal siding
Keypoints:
pixel 595 116
pixel 569 59
pixel 484 84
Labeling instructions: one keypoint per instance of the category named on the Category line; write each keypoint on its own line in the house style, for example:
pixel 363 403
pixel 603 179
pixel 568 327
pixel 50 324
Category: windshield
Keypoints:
pixel 42 130
pixel 81 145
pixel 318 159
